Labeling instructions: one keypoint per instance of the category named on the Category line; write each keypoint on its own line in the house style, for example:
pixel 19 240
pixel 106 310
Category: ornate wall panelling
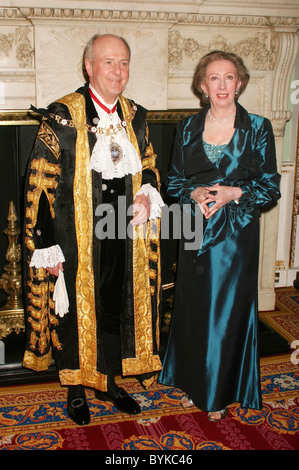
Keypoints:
pixel 41 49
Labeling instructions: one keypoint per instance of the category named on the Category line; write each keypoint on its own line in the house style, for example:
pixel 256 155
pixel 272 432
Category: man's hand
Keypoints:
pixel 141 209
pixel 55 271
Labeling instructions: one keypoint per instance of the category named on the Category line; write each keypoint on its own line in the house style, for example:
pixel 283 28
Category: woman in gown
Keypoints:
pixel 224 162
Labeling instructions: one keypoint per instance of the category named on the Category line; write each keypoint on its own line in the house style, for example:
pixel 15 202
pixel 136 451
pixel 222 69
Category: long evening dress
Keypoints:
pixel 212 353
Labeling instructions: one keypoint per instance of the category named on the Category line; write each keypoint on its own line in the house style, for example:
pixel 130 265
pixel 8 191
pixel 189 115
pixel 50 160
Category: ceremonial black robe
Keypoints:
pixel 61 198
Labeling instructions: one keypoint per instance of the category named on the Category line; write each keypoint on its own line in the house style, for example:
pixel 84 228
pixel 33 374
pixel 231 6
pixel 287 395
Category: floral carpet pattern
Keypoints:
pixel 35 418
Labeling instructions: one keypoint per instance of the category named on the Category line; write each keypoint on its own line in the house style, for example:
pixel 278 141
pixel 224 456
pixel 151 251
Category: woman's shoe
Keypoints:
pixel 186 402
pixel 222 413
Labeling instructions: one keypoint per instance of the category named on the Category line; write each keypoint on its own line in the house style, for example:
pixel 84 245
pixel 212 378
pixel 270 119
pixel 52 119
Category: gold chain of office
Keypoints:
pixel 109 130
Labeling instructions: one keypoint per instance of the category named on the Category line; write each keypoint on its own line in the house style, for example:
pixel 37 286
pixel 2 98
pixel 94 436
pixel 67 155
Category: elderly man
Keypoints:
pixel 93 292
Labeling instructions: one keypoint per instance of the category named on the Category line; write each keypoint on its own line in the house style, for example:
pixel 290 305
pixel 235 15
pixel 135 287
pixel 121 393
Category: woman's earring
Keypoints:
pixel 206 94
pixel 237 93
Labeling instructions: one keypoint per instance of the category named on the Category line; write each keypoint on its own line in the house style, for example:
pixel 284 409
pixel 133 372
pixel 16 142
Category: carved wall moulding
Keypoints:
pixel 279 120
pixel 17 45
pixel 17 77
pixel 256 47
pixel 179 17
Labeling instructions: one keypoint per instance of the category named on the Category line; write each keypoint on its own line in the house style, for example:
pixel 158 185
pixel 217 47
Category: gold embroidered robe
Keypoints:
pixel 61 196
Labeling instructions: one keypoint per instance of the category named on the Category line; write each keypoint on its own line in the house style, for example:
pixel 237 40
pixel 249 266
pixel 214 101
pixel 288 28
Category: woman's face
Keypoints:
pixel 221 83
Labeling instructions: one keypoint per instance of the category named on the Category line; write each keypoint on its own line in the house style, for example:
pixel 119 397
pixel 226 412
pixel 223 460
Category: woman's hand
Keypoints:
pixel 202 197
pixel 224 195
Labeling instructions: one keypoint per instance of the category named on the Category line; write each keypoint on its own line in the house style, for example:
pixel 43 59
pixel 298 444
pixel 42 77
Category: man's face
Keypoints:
pixel 108 70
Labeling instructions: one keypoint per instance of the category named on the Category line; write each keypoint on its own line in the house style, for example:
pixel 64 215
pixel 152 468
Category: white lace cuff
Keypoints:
pixel 155 198
pixel 47 257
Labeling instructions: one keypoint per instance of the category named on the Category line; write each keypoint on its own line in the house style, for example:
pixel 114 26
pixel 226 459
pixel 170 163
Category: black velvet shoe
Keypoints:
pixel 78 410
pixel 121 400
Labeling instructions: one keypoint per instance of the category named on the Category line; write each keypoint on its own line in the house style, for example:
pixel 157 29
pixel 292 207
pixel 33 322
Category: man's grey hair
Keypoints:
pixel 88 51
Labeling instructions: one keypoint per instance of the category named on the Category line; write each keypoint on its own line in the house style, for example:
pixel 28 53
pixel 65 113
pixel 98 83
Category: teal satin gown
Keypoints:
pixel 212 353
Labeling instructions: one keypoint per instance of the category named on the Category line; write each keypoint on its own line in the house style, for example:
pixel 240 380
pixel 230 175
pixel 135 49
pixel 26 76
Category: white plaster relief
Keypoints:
pixel 16 47
pixel 17 79
pixel 187 46
pixel 59 58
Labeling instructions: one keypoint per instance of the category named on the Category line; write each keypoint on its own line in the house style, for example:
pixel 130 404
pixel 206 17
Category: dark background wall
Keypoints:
pixel 16 144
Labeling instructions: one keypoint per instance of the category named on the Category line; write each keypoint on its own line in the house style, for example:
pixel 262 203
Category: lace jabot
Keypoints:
pixel 101 161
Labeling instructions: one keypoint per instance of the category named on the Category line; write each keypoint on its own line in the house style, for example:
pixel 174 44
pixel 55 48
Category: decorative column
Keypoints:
pixel 285 46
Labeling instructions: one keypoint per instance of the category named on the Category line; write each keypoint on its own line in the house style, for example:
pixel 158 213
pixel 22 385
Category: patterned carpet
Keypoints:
pixel 33 417
pixel 285 318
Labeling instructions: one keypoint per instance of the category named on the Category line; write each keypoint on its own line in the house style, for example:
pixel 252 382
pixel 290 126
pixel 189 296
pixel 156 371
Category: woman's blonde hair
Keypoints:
pixel 201 69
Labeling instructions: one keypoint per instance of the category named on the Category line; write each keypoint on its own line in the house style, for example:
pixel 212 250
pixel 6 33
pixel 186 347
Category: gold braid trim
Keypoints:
pixel 149 162
pixel 144 361
pixel 43 177
pixel 49 138
pixel 40 320
pixel 154 239
pixel 37 363
pixel 71 377
pixel 86 317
